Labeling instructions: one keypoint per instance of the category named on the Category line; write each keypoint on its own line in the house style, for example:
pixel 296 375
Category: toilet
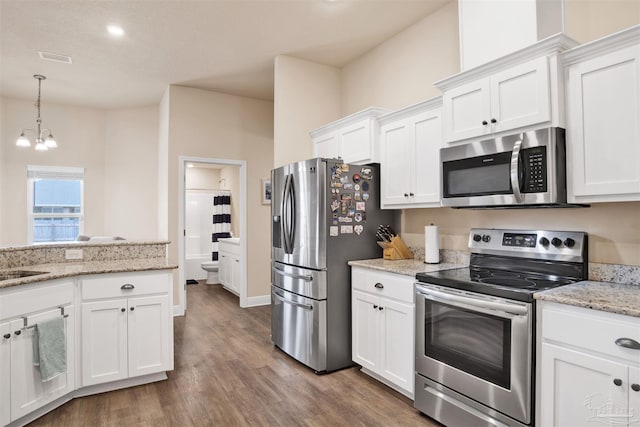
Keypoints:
pixel 211 267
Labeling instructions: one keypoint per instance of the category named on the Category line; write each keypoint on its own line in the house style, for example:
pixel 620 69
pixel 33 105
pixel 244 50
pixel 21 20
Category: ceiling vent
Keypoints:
pixel 55 57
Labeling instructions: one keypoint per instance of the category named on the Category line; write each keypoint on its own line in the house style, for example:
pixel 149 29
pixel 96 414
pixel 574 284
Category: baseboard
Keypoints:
pixel 178 311
pixel 259 300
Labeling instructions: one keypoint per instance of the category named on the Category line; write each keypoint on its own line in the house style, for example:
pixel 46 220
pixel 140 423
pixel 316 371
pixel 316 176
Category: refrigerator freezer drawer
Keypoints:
pixel 298 327
pixel 301 281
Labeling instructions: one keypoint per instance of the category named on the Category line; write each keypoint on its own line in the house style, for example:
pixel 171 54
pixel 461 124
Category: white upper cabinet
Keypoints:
pixel 353 138
pixel 410 142
pixel 603 132
pixel 517 91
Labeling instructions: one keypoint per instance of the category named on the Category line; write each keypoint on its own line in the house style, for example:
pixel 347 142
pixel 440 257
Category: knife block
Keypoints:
pixel 395 249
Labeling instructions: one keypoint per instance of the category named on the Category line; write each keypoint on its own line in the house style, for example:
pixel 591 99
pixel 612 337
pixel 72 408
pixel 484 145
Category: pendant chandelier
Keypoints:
pixel 44 137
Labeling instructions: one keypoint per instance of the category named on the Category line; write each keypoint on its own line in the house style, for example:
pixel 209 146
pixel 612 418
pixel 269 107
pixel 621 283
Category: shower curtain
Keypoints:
pixel 221 219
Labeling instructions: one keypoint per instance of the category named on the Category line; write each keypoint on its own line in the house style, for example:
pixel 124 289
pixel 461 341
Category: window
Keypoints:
pixel 55 203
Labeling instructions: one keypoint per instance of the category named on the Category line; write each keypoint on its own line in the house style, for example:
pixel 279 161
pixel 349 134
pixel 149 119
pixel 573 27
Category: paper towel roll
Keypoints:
pixel 431 246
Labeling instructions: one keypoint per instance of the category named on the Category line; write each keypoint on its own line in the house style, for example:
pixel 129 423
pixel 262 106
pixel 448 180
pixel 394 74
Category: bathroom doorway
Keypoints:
pixel 212 199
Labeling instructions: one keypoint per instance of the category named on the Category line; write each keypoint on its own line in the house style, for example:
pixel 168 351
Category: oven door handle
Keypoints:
pixel 480 305
pixel 515 166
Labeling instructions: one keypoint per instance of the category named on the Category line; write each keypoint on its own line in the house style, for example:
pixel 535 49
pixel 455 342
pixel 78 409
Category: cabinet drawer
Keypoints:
pixel 49 294
pixel 592 330
pixel 111 285
pixel 390 285
pixel 230 248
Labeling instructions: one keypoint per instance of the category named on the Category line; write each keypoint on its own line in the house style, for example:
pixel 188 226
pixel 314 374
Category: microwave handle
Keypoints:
pixel 515 160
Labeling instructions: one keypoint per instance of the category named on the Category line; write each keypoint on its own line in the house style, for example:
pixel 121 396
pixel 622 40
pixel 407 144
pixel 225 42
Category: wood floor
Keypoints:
pixel 227 373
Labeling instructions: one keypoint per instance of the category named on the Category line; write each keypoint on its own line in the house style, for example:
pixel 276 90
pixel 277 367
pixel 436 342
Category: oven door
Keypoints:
pixel 478 345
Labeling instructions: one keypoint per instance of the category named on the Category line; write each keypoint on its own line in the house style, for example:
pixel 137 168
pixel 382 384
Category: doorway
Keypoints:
pixel 192 247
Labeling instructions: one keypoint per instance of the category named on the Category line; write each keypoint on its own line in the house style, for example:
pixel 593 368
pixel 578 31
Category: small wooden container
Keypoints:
pixel 396 249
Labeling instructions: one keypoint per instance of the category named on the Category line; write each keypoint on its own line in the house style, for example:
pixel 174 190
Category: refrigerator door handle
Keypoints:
pixel 286 215
pixel 306 278
pixel 294 303
pixel 289 214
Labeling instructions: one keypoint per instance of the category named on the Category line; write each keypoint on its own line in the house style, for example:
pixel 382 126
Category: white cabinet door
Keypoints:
pixel 396 343
pixel 520 96
pixel 365 330
pixel 28 391
pixel 6 335
pixel 327 145
pixel 235 274
pixel 426 131
pixel 148 333
pixel 516 97
pixel 578 389
pixel 634 395
pixel 224 269
pixel 104 341
pixel 467 110
pixel 604 128
pixel 397 159
pixel 356 142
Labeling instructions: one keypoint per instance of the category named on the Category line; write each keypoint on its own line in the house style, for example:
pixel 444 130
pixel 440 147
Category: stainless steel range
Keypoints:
pixel 475 326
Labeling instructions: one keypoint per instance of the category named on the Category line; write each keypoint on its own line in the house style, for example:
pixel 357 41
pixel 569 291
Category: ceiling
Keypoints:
pixel 227 46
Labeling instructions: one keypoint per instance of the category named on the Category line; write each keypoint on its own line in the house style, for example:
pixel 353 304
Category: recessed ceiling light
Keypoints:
pixel 190 165
pixel 115 30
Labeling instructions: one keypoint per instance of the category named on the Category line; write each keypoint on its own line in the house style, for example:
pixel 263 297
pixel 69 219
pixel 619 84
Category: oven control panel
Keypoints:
pixel 565 245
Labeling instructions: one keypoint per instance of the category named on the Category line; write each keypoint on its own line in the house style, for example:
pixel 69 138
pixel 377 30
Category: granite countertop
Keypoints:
pixel 408 267
pixel 603 296
pixel 57 271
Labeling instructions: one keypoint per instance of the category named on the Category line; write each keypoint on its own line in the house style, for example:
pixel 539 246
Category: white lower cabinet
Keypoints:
pixel 127 331
pixel 585 377
pixel 383 327
pixel 229 265
pixel 22 390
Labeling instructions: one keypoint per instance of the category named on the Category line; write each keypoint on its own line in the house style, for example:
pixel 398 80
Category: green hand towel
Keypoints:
pixel 50 348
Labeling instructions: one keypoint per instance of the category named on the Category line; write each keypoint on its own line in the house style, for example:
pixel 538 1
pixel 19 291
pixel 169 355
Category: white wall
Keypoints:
pixel 120 187
pixel 201 178
pixel 306 96
pixel 401 71
pixel 215 125
pixel 130 173
pixel 230 177
pixel 587 20
pixel 80 133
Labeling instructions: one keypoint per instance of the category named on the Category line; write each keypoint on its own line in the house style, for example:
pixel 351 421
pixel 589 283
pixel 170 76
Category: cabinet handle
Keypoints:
pixel 379 285
pixel 494 121
pixel 127 286
pixel 635 387
pixel 406 195
pixel 380 308
pixel 123 310
pixel 484 123
pixel 628 343
pixel 18 332
pixel 375 306
pixel 7 336
pixel 411 194
pixel 132 308
pixel 617 382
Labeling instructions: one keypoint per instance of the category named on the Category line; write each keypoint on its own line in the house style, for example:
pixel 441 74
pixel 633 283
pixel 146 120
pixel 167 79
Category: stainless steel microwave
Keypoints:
pixel 515 171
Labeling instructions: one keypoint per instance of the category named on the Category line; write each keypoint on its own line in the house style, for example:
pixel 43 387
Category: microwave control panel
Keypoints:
pixel 535 169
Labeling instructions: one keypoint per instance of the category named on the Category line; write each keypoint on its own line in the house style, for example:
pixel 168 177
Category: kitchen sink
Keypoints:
pixel 8 275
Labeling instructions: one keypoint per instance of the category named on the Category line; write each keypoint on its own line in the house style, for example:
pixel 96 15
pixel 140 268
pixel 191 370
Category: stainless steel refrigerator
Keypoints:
pixel 324 213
